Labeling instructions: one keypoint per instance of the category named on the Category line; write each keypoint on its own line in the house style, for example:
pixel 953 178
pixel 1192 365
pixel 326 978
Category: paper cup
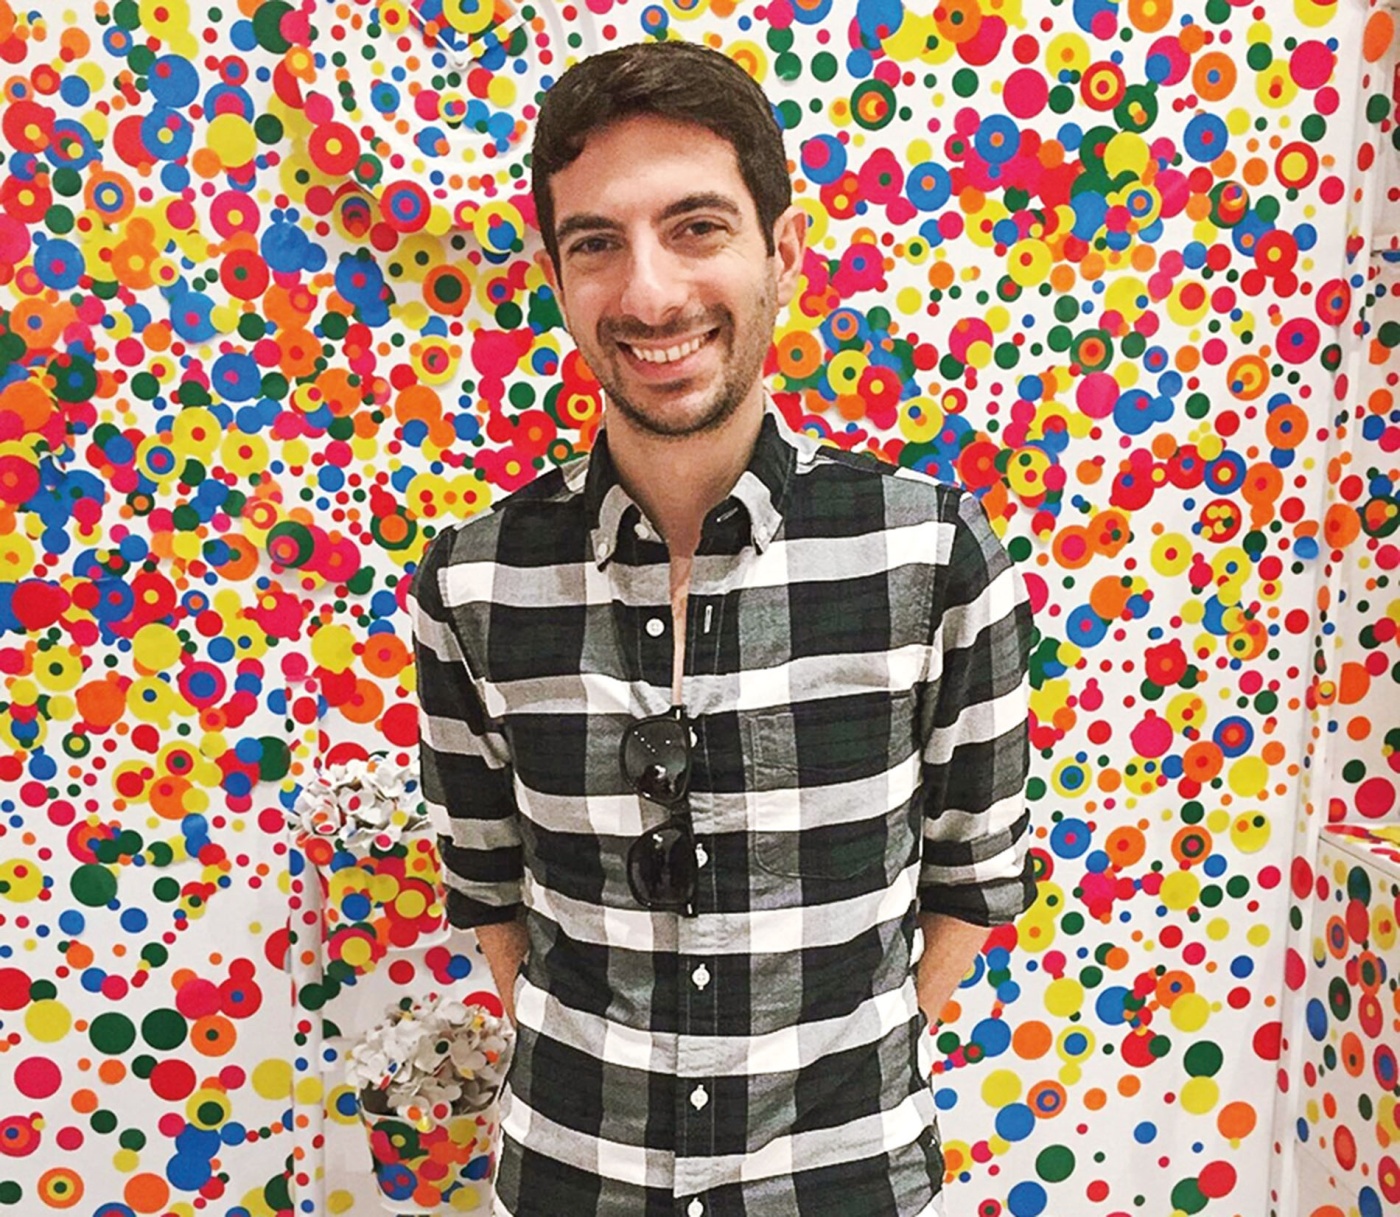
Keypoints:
pixel 445 1167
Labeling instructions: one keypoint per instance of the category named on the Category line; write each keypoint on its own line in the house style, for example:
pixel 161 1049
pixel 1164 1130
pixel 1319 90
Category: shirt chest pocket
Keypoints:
pixel 828 786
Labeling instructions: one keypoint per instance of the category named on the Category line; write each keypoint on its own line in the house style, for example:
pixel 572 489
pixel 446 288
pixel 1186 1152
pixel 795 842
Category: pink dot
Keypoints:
pixel 70 1138
pixel 37 1077
pixel 1375 797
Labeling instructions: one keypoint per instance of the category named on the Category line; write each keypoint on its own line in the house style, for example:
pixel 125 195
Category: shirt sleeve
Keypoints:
pixel 976 745
pixel 467 779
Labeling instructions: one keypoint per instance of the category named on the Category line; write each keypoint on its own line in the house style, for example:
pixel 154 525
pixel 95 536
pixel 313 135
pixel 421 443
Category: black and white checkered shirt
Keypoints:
pixel 856 675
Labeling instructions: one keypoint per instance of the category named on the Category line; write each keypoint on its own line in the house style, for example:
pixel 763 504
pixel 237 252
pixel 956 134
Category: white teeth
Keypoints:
pixel 670 354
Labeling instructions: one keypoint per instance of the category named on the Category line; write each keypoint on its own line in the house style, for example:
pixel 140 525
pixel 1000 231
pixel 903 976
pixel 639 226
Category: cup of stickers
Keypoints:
pixel 426 1077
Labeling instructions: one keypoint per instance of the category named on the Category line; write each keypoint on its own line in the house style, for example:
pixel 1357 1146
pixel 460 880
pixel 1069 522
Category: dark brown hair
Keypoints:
pixel 676 80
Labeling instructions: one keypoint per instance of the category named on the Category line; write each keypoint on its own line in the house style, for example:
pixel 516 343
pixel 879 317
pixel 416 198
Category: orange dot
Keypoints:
pixel 84 1101
pixel 1031 1041
pixel 146 1192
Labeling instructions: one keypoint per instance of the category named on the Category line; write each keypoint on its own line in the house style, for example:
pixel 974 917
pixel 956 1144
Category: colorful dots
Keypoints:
pixel 269 319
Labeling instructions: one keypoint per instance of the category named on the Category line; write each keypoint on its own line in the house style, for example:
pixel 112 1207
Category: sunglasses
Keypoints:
pixel 661 865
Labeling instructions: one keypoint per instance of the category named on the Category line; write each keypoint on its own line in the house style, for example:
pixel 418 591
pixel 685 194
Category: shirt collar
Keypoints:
pixel 761 489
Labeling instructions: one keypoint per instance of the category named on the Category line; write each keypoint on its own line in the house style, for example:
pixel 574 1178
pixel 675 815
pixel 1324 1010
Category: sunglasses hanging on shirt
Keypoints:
pixel 661 865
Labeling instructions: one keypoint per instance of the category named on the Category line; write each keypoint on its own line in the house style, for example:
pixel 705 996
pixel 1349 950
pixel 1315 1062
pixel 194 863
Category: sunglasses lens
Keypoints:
pixel 661 866
pixel 656 759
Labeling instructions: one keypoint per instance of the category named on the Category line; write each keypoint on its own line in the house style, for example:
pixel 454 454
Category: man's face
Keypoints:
pixel 664 276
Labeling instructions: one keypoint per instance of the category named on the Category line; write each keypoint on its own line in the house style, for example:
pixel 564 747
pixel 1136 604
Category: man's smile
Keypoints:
pixel 671 353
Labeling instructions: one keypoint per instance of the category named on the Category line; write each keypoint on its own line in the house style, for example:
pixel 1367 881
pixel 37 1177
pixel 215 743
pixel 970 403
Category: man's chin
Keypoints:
pixel 674 416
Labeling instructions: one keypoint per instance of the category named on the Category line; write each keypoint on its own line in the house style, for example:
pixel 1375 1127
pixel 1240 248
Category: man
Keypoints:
pixel 715 718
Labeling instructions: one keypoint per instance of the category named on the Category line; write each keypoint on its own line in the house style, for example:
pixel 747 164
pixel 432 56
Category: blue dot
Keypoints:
pixel 993 1035
pixel 1317 1019
pixel 1026 1199
pixel 1014 1122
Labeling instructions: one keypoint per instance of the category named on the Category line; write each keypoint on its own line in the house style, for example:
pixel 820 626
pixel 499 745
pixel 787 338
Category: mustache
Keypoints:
pixel 629 329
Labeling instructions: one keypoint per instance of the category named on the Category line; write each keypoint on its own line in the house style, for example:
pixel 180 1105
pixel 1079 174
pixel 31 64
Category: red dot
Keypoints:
pixel 37 1077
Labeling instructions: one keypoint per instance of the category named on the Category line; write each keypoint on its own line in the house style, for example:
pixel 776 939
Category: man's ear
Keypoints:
pixel 789 244
pixel 551 275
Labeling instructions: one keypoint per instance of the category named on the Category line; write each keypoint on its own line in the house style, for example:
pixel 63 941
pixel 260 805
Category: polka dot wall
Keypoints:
pixel 268 319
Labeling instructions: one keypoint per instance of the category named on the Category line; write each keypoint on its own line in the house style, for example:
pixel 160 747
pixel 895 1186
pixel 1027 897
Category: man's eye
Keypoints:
pixel 590 245
pixel 702 228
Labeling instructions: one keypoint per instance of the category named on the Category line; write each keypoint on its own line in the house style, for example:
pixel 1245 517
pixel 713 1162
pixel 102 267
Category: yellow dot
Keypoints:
pixel 1199 1096
pixel 309 1090
pixel 48 1020
pixel 272 1079
pixel 1064 997
pixel 231 136
pixel 1001 1087
pixel 1190 1012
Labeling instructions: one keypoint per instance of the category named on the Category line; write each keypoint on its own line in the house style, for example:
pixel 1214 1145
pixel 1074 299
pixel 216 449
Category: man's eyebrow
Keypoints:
pixel 585 223
pixel 706 200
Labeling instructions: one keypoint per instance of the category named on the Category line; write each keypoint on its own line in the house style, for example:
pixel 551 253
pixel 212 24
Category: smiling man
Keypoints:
pixel 720 725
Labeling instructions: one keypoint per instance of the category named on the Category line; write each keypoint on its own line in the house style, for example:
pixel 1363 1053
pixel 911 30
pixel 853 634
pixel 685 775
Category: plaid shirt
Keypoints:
pixel 856 675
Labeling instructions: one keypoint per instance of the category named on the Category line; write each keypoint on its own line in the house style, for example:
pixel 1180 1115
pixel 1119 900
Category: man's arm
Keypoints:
pixel 504 944
pixel 950 946
pixel 467 782
pixel 976 871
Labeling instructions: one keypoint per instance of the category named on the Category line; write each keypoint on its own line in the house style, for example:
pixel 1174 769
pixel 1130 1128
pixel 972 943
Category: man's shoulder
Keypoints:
pixel 909 493
pixel 544 515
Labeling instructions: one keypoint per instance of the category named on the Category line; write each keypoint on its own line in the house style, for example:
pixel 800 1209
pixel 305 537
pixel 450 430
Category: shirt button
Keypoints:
pixel 695 1209
pixel 656 627
pixel 701 857
pixel 699 1097
pixel 701 976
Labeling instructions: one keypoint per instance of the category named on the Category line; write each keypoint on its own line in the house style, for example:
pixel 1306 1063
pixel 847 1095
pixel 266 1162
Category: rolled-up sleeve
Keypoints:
pixel 976 746
pixel 467 778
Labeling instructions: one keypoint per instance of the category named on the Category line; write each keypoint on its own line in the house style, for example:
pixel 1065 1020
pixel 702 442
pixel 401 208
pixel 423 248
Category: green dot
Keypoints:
pixel 10 1192
pixel 103 1121
pixel 112 1033
pixel 1203 1060
pixel 133 1139
pixel 276 758
pixel 164 1029
pixel 780 39
pixel 93 885
pixel 1055 1163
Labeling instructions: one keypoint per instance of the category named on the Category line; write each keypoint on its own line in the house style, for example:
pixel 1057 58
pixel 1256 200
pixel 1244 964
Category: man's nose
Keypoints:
pixel 656 287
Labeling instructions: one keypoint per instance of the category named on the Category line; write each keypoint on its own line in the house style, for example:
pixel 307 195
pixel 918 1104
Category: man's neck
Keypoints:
pixel 677 480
